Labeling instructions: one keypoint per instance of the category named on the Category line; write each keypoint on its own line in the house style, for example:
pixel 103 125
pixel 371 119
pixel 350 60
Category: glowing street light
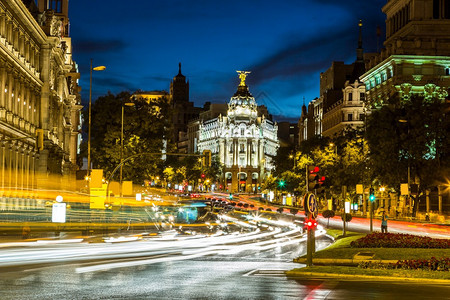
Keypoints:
pixel 99 68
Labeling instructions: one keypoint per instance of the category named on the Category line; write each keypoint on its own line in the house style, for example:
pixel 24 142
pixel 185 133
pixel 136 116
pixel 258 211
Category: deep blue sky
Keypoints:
pixel 284 43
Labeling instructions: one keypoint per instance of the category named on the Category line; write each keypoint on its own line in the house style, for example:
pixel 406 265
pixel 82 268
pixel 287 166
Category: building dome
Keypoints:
pixel 242 104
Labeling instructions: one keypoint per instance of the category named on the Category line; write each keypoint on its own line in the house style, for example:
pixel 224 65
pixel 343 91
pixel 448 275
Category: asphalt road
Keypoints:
pixel 245 266
pixel 246 277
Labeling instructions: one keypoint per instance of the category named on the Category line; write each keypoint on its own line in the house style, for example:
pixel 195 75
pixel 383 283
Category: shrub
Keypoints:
pixel 433 264
pixel 293 211
pixel 328 214
pixel 399 240
pixel 348 217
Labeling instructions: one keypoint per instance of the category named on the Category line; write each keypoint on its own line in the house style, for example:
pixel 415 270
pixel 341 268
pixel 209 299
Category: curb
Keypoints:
pixel 349 277
pixel 343 262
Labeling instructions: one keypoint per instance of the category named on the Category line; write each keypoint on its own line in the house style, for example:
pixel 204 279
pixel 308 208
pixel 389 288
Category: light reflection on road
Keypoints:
pixel 154 249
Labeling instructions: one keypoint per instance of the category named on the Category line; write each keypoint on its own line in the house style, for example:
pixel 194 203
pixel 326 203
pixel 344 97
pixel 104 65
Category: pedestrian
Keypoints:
pixel 384 222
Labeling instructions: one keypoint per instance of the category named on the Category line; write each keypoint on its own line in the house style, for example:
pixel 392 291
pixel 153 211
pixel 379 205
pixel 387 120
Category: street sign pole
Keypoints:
pixel 309 248
pixel 310 205
pixel 371 216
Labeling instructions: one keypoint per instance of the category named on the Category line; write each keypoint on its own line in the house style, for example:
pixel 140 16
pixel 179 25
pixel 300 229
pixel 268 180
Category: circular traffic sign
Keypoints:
pixel 310 205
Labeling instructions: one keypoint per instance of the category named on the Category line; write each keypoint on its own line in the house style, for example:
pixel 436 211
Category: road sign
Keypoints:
pixel 359 189
pixel 404 190
pixel 310 204
pixel 59 213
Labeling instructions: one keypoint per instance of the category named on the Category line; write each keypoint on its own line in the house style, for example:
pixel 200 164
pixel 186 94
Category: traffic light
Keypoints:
pixel 371 195
pixel 310 223
pixel 313 178
pixel 321 188
pixel 230 196
pixel 206 160
pixel 281 183
pixel 40 139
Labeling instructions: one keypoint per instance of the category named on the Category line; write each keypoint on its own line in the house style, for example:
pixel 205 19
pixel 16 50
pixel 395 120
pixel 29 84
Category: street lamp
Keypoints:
pixel 335 147
pixel 99 68
pixel 409 163
pixel 121 144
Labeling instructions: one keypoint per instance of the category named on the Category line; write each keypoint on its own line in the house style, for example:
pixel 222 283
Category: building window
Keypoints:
pixel 447 71
pixel 242 131
pixel 436 9
pixel 350 97
pixel 350 117
pixel 362 96
pixel 242 148
pixel 362 117
pixel 55 5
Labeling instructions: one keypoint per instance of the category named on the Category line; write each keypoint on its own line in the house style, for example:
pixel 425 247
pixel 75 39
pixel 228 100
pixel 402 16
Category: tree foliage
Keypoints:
pixel 146 130
pixel 410 132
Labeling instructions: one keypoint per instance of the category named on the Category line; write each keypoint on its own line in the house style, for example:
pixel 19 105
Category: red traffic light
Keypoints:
pixel 313 169
pixel 310 223
pixel 203 175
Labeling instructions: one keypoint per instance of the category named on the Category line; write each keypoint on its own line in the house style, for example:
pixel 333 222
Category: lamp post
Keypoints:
pixel 409 166
pixel 99 68
pixel 121 144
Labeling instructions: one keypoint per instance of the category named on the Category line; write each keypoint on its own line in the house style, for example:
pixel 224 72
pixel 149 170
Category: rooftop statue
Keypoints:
pixel 242 76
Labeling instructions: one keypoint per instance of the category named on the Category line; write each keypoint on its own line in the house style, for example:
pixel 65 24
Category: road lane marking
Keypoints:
pixel 266 273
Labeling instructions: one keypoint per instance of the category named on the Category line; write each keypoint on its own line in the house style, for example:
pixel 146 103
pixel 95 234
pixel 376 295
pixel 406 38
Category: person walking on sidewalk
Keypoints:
pixel 384 222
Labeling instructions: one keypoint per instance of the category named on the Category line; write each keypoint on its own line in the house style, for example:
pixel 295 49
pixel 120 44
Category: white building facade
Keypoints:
pixel 38 91
pixel 244 142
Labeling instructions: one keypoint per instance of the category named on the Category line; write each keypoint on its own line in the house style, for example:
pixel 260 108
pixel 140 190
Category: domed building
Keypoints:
pixel 244 140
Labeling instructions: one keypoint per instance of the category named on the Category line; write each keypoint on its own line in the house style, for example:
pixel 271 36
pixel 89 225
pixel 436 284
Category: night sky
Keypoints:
pixel 284 43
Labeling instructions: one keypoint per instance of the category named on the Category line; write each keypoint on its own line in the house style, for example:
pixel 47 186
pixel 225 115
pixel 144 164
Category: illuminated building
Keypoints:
pixel 416 58
pixel 244 140
pixel 152 97
pixel 340 106
pixel 38 90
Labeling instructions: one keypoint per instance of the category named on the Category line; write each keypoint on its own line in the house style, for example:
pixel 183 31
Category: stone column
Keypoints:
pixel 33 170
pixel 10 165
pixel 28 171
pixel 22 171
pixel 2 159
pixel 16 166
pixel 2 87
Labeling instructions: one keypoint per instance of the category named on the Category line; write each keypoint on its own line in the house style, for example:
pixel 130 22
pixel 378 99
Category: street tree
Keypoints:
pixel 146 129
pixel 410 133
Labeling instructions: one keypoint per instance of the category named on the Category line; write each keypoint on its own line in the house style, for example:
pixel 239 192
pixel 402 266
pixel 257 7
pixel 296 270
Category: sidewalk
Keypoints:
pixel 349 277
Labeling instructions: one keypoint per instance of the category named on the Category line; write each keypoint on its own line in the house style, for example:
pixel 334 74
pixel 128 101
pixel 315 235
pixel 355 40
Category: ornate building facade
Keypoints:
pixel 341 103
pixel 38 91
pixel 416 58
pixel 244 141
